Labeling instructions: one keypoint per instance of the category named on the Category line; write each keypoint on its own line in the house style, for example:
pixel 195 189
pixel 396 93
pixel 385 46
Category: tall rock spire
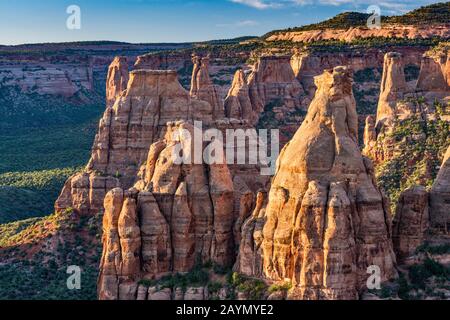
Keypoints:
pixel 326 221
pixel 237 102
pixel 393 85
pixel 202 87
pixel 117 79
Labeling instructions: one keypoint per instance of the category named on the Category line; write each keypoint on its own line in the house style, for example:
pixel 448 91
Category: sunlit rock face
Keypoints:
pixel 202 87
pixel 126 131
pixel 325 221
pixel 401 101
pixel 117 79
pixel 177 215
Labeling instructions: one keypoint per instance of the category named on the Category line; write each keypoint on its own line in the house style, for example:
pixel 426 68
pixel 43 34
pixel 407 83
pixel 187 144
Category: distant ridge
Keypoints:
pixel 438 13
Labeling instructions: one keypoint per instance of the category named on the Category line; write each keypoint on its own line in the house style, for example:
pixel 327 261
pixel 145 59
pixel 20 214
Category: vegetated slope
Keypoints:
pixel 45 139
pixel 432 14
pixel 421 146
pixel 36 253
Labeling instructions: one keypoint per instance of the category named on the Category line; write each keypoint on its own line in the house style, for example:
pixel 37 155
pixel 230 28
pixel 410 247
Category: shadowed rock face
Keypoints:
pixel 272 80
pixel 117 79
pixel 237 102
pixel 326 221
pixel 435 70
pixel 411 221
pixel 440 197
pixel 421 215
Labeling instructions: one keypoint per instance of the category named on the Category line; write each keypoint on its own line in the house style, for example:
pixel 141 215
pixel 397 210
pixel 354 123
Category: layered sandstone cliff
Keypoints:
pixel 326 221
pixel 128 128
pixel 178 215
pixel 351 34
pixel 47 77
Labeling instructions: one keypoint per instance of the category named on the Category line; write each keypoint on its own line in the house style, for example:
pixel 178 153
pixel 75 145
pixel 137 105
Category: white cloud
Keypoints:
pixel 258 4
pixel 388 6
pixel 239 24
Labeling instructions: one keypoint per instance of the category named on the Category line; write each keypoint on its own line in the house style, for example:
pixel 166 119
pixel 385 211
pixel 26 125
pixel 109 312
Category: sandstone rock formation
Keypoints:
pixel 351 34
pixel 435 71
pixel 128 128
pixel 411 221
pixel 202 87
pixel 307 65
pixel 326 221
pixel 393 86
pixel 271 81
pixel 237 103
pixel 117 79
pixel 160 216
pixel 178 215
pixel 421 215
pixel 398 102
pixel 440 197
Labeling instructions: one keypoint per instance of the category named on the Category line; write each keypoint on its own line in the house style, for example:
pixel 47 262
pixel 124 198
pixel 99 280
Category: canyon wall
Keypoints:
pixel 352 34
pixel 46 77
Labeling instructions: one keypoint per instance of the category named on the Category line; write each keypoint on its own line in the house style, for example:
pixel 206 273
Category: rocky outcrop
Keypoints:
pixel 435 71
pixel 117 79
pixel 393 86
pixel 125 134
pixel 163 61
pixel 423 216
pixel 440 197
pixel 400 101
pixel 272 80
pixel 184 212
pixel 202 87
pixel 326 221
pixel 237 103
pixel 351 34
pixel 47 77
pixel 411 221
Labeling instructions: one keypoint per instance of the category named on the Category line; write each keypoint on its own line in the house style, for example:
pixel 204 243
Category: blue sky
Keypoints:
pixel 32 21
